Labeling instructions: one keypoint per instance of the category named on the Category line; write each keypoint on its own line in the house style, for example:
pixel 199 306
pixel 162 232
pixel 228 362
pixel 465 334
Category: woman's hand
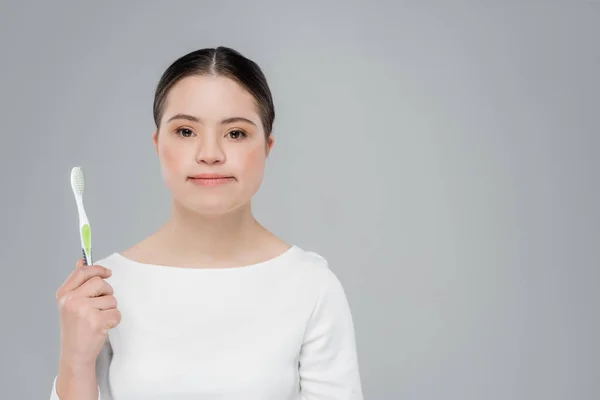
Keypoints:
pixel 88 310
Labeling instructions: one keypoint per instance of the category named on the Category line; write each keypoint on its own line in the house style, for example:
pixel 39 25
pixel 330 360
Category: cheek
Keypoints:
pixel 169 160
pixel 254 161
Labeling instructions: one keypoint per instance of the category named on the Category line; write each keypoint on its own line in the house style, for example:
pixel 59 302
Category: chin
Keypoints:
pixel 212 208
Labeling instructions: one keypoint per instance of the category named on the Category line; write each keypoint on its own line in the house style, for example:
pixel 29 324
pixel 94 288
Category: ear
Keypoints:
pixel 270 142
pixel 155 140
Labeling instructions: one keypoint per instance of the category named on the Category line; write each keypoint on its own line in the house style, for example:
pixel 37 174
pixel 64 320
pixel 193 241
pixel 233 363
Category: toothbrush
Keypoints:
pixel 78 185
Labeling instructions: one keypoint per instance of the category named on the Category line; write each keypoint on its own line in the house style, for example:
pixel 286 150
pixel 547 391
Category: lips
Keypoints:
pixel 209 176
pixel 210 179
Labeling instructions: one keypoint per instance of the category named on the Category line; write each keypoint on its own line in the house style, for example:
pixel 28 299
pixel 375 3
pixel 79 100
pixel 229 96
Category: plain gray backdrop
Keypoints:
pixel 443 158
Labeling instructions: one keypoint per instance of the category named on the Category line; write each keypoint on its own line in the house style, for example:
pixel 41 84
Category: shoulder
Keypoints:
pixel 329 303
pixel 309 258
pixel 316 269
pixel 309 262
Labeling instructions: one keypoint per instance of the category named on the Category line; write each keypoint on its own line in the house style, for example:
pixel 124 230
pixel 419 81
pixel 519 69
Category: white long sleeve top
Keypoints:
pixel 275 330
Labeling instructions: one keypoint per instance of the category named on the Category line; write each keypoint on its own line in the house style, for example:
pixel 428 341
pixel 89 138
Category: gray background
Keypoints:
pixel 443 158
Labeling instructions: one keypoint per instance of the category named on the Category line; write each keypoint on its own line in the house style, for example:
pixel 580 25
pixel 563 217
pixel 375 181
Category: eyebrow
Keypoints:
pixel 199 120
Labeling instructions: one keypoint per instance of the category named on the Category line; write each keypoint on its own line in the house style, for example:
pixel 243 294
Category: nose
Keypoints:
pixel 210 152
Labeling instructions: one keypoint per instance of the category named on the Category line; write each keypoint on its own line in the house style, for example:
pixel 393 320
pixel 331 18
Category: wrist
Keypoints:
pixel 76 381
pixel 74 366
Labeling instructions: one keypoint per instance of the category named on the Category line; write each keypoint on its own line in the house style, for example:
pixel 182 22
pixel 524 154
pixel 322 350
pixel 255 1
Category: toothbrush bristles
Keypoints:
pixel 77 180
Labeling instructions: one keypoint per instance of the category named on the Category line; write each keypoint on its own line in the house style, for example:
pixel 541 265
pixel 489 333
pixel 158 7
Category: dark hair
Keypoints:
pixel 222 61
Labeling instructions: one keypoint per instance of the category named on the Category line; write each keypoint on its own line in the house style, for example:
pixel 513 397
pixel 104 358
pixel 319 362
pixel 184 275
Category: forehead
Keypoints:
pixel 210 97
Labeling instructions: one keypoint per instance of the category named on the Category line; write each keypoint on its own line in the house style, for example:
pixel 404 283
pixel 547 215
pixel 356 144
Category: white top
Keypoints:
pixel 275 330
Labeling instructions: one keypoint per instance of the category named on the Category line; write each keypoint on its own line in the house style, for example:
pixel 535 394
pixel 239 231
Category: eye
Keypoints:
pixel 184 132
pixel 237 134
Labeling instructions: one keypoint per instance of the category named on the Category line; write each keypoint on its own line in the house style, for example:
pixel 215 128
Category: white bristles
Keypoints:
pixel 77 180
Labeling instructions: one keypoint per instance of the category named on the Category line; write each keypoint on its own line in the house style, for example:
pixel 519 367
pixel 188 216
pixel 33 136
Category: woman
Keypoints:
pixel 212 305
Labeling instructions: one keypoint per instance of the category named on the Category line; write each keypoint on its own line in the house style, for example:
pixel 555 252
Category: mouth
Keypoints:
pixel 210 179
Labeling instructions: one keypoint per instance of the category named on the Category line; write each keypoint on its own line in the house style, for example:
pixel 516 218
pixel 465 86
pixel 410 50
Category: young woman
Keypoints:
pixel 212 305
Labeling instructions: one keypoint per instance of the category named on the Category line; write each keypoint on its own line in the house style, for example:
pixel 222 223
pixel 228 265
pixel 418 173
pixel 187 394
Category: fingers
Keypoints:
pixel 93 287
pixel 81 274
pixel 96 286
pixel 102 303
pixel 112 318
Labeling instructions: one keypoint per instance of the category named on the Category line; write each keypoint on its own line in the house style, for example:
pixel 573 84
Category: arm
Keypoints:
pixel 328 357
pixel 84 383
pixel 74 382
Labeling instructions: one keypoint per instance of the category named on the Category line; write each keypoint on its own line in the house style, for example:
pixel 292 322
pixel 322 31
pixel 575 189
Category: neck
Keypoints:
pixel 209 237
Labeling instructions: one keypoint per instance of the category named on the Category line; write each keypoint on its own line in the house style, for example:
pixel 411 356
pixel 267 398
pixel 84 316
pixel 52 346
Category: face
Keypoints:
pixel 211 144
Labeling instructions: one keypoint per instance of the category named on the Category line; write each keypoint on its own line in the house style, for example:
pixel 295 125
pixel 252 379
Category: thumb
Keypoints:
pixel 79 263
